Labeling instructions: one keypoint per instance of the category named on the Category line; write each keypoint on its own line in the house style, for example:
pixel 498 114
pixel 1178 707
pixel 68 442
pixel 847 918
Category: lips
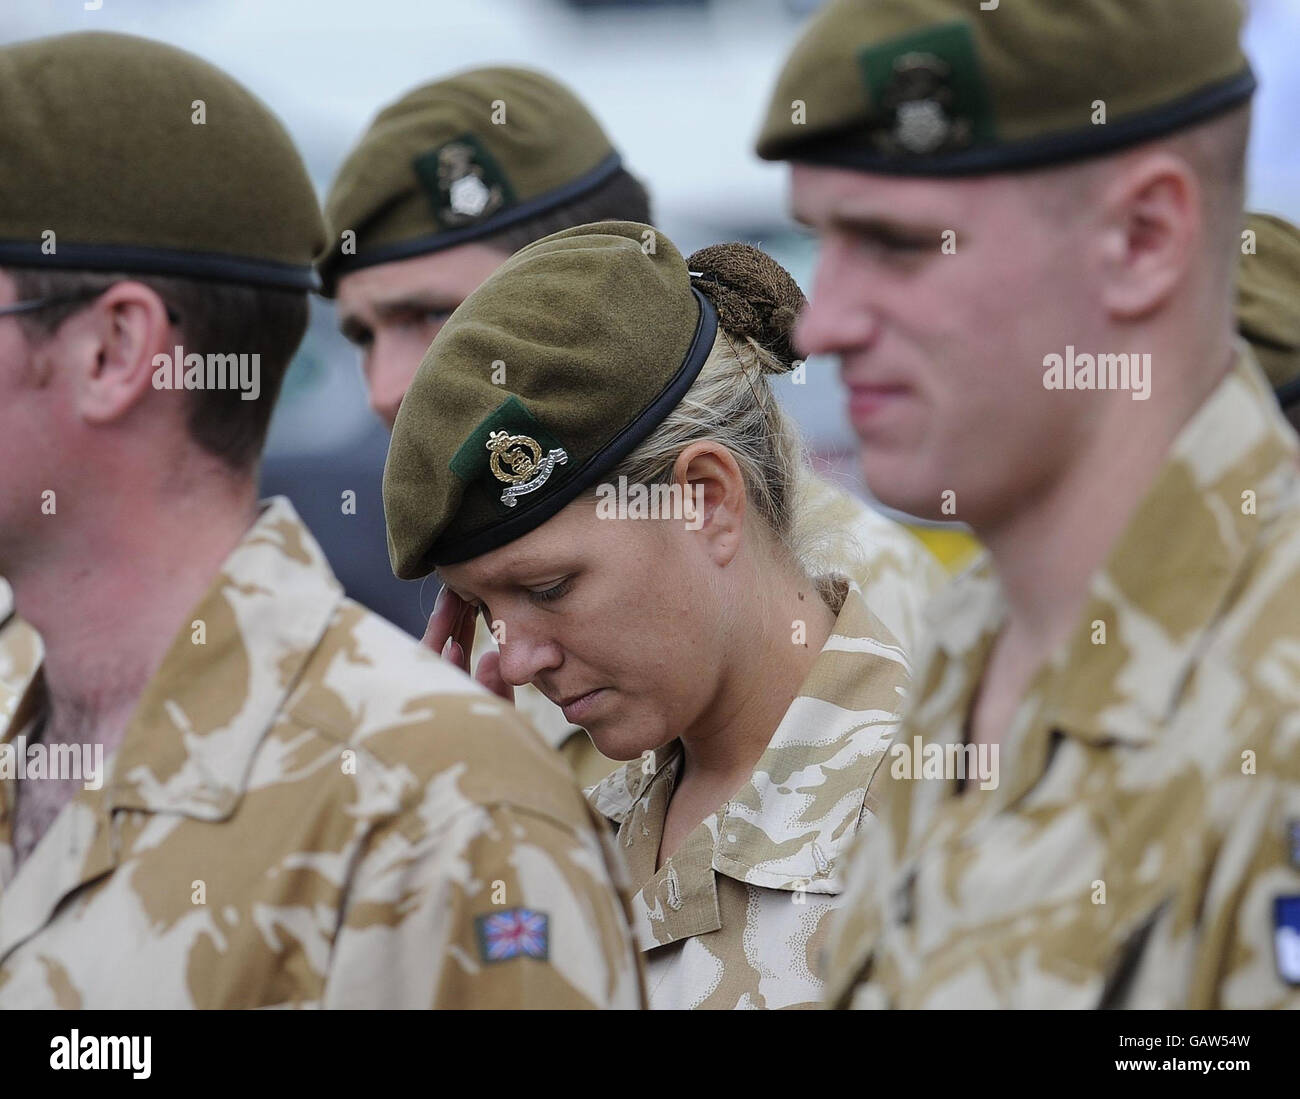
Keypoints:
pixel 867 400
pixel 576 705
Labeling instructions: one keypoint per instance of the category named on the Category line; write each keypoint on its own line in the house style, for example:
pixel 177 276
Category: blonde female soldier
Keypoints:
pixel 690 629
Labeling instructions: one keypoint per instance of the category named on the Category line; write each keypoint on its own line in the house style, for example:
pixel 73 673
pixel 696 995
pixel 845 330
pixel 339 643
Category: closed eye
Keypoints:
pixel 557 591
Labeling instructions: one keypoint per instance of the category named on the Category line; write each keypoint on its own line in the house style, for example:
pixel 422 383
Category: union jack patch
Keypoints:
pixel 514 933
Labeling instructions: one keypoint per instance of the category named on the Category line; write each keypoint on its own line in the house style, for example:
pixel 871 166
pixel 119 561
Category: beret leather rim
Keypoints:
pixel 1054 149
pixel 336 265
pixel 601 462
pixel 162 261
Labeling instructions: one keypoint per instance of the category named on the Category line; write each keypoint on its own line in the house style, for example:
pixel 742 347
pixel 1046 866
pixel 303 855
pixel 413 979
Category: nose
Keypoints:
pixel 387 379
pixel 525 653
pixel 838 318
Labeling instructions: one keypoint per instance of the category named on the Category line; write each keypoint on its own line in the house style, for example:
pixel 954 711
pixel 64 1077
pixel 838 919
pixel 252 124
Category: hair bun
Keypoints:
pixel 755 296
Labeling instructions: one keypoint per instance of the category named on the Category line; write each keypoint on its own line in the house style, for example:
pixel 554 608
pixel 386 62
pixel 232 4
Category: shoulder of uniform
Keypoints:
pixel 374 689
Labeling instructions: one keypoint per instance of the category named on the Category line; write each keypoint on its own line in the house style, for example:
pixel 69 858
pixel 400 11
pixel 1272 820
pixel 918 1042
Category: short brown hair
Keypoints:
pixel 622 197
pixel 212 318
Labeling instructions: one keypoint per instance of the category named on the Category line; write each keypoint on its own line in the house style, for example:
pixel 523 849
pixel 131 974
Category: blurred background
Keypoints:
pixel 679 86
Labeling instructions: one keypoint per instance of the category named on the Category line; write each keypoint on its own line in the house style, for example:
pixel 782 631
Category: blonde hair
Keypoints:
pixel 732 403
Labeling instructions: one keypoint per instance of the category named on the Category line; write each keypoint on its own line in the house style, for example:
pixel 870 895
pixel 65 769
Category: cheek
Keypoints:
pixel 647 628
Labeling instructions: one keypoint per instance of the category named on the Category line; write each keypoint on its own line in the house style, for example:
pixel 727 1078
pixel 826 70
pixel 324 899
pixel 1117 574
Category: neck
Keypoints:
pixel 1046 552
pixel 764 671
pixel 109 601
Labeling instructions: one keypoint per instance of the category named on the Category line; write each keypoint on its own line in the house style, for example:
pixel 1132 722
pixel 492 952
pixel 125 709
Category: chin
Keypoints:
pixel 625 741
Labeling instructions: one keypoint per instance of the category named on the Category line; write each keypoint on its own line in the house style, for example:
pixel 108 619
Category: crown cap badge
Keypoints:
pixel 518 462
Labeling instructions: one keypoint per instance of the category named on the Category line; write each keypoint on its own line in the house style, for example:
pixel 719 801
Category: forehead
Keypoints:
pixel 820 194
pixel 560 539
pixel 451 273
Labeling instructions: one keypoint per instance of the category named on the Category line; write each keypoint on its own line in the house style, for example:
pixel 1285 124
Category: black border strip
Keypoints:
pixel 1037 152
pixel 605 459
pixel 336 265
pixel 161 261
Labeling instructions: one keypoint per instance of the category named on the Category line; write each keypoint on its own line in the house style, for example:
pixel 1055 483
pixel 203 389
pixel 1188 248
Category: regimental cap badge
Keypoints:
pixel 919 103
pixel 519 462
pixel 510 447
pixel 928 93
pixel 463 182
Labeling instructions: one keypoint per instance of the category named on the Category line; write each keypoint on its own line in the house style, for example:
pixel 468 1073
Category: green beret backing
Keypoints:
pixel 940 87
pixel 106 146
pixel 543 381
pixel 458 160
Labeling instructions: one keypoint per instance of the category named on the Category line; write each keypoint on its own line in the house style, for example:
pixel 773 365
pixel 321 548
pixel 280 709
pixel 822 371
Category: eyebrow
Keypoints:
pixel 416 303
pixel 353 328
pixel 876 225
pixel 530 568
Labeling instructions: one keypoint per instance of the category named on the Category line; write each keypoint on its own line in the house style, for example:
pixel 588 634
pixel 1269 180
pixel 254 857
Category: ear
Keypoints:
pixel 709 473
pixel 1153 223
pixel 110 348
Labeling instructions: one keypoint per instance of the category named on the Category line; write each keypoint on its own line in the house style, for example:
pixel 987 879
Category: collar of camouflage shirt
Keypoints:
pixel 788 827
pixel 235 660
pixel 1231 469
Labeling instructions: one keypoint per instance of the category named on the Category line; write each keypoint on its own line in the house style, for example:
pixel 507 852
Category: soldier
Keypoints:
pixel 1013 202
pixel 445 184
pixel 750 687
pixel 227 785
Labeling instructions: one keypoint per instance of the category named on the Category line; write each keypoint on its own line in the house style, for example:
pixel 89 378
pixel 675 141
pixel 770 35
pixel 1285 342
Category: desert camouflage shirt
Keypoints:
pixel 20 653
pixel 736 917
pixel 895 571
pixel 309 809
pixel 1142 846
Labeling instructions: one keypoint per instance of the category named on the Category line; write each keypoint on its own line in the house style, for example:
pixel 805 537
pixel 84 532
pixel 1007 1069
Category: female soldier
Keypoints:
pixel 591 380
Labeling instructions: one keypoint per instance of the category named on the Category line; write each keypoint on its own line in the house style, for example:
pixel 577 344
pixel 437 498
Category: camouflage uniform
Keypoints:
pixel 736 917
pixel 308 809
pixel 20 653
pixel 1144 839
pixel 894 570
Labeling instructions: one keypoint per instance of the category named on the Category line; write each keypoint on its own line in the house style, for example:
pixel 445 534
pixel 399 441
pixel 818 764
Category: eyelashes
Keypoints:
pixel 549 595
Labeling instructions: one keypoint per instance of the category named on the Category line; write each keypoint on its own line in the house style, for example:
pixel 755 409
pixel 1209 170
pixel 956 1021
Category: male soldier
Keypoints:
pixel 1011 203
pixel 445 185
pixel 277 798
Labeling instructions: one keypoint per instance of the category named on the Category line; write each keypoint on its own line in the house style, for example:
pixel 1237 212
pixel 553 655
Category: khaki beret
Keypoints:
pixel 461 159
pixel 1268 302
pixel 140 157
pixel 940 87
pixel 544 379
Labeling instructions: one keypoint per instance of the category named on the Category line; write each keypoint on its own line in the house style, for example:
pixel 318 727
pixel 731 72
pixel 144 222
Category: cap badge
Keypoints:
pixel 461 178
pixel 918 102
pixel 463 182
pixel 517 460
